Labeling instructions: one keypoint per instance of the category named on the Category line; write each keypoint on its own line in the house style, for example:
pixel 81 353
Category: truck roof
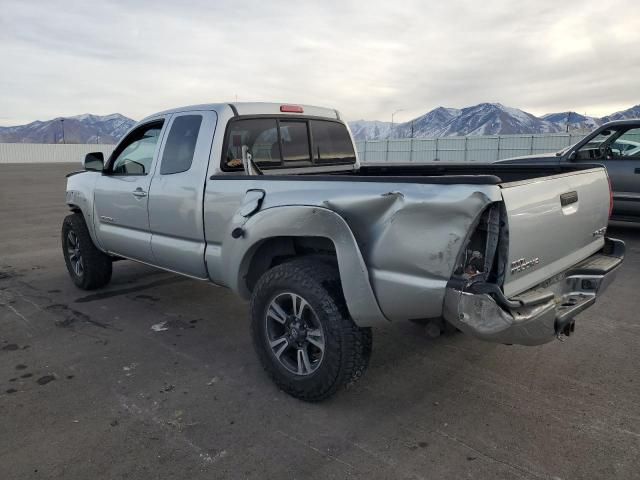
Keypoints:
pixel 256 108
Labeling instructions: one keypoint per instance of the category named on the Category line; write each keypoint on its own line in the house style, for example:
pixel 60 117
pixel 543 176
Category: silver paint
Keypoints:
pixel 540 226
pixel 396 243
pixel 406 259
pixel 176 206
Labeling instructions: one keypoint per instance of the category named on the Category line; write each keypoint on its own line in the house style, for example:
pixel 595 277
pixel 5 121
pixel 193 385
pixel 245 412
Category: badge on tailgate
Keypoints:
pixel 523 264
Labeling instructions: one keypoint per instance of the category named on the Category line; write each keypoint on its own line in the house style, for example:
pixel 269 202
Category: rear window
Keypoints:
pixel 260 135
pixel 331 143
pixel 295 144
pixel 287 143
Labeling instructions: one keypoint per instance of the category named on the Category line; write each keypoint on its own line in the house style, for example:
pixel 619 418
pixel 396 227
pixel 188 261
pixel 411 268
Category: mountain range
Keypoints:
pixel 84 128
pixel 481 119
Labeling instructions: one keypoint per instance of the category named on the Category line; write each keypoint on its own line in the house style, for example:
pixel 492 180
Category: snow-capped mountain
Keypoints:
pixel 495 118
pixel 431 124
pixel 483 119
pixel 633 112
pixel 369 129
pixel 84 128
pixel 574 120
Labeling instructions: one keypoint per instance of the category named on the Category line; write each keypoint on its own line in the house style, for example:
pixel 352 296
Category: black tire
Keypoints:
pixel 347 347
pixel 95 266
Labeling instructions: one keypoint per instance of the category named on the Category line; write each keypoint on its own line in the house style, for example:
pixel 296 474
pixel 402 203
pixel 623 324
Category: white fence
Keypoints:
pixel 461 149
pixel 48 152
pixel 407 150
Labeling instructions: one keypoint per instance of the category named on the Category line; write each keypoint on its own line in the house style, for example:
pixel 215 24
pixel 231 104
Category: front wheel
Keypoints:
pixel 302 331
pixel 88 267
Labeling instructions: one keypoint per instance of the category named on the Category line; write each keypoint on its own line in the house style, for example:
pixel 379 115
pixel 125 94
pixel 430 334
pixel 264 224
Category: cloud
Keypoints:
pixel 366 58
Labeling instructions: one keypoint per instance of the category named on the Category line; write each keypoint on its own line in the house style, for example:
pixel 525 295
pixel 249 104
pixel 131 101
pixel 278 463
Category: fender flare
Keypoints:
pixel 79 197
pixel 304 221
pixel 80 205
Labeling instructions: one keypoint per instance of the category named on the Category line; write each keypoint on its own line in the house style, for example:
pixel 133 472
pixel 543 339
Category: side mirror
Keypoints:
pixel 93 161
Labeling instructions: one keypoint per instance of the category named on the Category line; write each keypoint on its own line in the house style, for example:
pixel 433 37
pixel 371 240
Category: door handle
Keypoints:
pixel 568 198
pixel 139 193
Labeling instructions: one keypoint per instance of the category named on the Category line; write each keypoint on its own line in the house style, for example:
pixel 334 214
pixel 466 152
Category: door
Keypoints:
pixel 121 194
pixel 177 191
pixel 620 154
pixel 623 166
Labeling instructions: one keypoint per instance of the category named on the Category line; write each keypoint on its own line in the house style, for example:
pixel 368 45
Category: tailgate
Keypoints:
pixel 554 222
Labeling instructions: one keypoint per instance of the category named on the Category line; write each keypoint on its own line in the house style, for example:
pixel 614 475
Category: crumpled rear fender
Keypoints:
pixel 235 255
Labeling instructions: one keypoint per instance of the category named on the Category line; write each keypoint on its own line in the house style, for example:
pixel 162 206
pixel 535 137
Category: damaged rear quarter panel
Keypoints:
pixel 408 234
pixel 410 238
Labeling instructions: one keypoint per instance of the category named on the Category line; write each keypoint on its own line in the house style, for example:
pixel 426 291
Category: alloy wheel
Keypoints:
pixel 294 334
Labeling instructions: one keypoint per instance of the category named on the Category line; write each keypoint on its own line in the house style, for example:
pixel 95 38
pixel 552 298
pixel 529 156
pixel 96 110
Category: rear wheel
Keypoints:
pixel 302 331
pixel 88 267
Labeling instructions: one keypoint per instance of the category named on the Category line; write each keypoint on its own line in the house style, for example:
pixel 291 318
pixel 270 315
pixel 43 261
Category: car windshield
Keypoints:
pixel 593 144
pixel 599 140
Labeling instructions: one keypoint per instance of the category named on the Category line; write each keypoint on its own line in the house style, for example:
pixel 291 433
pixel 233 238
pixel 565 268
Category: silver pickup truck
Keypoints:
pixel 270 200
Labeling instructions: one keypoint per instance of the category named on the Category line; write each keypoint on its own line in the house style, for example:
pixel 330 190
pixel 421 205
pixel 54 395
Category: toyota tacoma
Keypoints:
pixel 271 201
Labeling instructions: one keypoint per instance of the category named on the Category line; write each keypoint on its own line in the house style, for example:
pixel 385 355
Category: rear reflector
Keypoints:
pixel 291 109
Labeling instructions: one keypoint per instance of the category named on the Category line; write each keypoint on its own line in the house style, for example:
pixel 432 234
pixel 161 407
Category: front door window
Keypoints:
pixel 135 155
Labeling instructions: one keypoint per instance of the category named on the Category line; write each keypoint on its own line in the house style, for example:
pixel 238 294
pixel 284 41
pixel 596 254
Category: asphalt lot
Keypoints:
pixel 90 390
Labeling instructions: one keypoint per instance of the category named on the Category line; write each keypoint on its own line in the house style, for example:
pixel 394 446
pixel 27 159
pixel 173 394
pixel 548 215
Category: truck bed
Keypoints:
pixel 410 220
pixel 451 173
pixel 489 173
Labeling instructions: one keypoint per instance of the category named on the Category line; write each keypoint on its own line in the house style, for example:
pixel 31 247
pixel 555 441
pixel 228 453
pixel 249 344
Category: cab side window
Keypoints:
pixel 181 144
pixel 135 155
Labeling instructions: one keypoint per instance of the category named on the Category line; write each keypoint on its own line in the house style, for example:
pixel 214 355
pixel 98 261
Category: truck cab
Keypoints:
pixel 149 198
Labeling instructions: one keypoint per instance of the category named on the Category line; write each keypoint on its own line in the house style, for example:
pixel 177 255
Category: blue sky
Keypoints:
pixel 366 58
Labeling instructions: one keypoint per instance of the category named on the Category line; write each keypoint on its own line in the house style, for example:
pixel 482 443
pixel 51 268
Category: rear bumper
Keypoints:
pixel 540 314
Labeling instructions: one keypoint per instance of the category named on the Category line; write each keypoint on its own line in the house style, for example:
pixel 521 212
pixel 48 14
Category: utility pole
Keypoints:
pixel 568 118
pixel 62 123
pixel 393 115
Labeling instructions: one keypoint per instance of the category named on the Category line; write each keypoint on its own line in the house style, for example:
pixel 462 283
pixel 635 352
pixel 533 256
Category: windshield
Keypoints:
pixel 622 142
pixel 599 140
